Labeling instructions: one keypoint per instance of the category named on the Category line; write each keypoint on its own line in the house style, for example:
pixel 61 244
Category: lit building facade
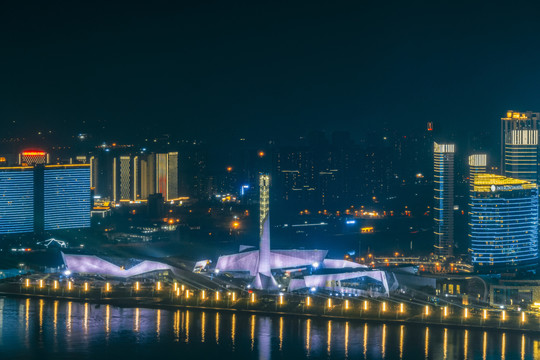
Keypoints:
pixel 44 198
pixel 519 150
pixel 477 165
pixel 503 224
pixel 66 197
pixel 16 200
pixel 444 198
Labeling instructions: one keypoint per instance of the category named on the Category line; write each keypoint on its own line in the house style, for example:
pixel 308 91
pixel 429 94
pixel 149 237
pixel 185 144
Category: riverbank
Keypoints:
pixel 350 311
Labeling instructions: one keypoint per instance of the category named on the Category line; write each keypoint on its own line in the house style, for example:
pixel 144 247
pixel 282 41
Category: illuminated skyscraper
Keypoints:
pixel 162 175
pixel 44 197
pixel 16 200
pixel 172 176
pixel 519 150
pixel 66 197
pixel 503 224
pixel 125 183
pixel 444 198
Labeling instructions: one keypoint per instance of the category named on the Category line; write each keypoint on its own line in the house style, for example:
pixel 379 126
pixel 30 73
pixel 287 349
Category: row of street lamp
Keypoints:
pixel 179 289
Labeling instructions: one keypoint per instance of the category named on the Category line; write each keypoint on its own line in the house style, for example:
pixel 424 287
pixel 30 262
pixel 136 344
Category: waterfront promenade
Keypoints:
pixel 176 295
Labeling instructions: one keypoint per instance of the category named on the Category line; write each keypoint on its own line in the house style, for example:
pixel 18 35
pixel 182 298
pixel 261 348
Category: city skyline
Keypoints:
pixel 269 180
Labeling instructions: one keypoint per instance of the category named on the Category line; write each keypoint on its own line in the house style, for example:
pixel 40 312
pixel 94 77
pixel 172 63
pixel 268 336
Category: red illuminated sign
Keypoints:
pixel 33 153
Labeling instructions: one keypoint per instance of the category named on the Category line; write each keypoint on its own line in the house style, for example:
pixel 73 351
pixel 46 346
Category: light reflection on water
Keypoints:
pixel 34 328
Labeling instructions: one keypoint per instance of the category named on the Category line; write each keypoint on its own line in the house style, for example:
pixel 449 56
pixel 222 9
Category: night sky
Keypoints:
pixel 264 68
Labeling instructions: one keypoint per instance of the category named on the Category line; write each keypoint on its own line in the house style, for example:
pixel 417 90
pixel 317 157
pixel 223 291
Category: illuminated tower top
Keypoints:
pixel 33 157
pixel 264 203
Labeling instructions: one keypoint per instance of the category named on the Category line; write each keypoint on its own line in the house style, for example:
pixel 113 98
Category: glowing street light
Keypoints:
pixel 329 303
pixel 445 309
pixel 158 286
pixel 40 284
pixel 401 308
pixel 280 299
pixel 252 297
pixel 365 305
pixel 346 304
pixel 55 284
pixel 217 295
pixel 523 316
pixel 27 282
pixel 465 313
pixel 383 306
pixel 137 286
pixel 503 315
pixel 484 315
pixel 426 312
pixel 203 294
pixel 107 287
pixel 308 301
pixel 85 286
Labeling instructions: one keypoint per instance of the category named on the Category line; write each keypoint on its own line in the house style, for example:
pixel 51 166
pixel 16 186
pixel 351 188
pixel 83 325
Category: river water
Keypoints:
pixel 49 329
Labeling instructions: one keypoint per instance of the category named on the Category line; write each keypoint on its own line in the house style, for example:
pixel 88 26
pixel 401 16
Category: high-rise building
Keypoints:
pixel 66 197
pixel 44 198
pixel 16 200
pixel 477 165
pixel 444 198
pixel 519 145
pixel 162 175
pixel 503 224
pixel 172 176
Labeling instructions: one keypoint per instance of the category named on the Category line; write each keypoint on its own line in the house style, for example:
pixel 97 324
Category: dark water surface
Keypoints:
pixel 47 329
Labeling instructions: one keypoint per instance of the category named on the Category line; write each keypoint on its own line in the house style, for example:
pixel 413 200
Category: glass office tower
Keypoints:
pixel 503 224
pixel 443 157
pixel 16 200
pixel 66 197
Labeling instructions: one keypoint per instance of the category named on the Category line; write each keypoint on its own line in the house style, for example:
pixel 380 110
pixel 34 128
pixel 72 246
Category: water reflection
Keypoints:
pixel 383 342
pixel 48 328
pixel 203 326
pixel 187 326
pixel 329 338
pixel 426 350
pixel 252 332
pixel 308 336
pixel 107 320
pixel 523 347
pixel 365 340
pixel 465 344
pixel 346 339
pixel 445 344
pixel 85 322
pixel 233 329
pixel 401 341
pixel 281 333
pixel 217 328
pixel 503 346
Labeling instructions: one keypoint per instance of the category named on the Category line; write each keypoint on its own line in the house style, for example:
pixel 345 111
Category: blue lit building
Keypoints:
pixel 66 197
pixel 443 215
pixel 16 200
pixel 503 224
